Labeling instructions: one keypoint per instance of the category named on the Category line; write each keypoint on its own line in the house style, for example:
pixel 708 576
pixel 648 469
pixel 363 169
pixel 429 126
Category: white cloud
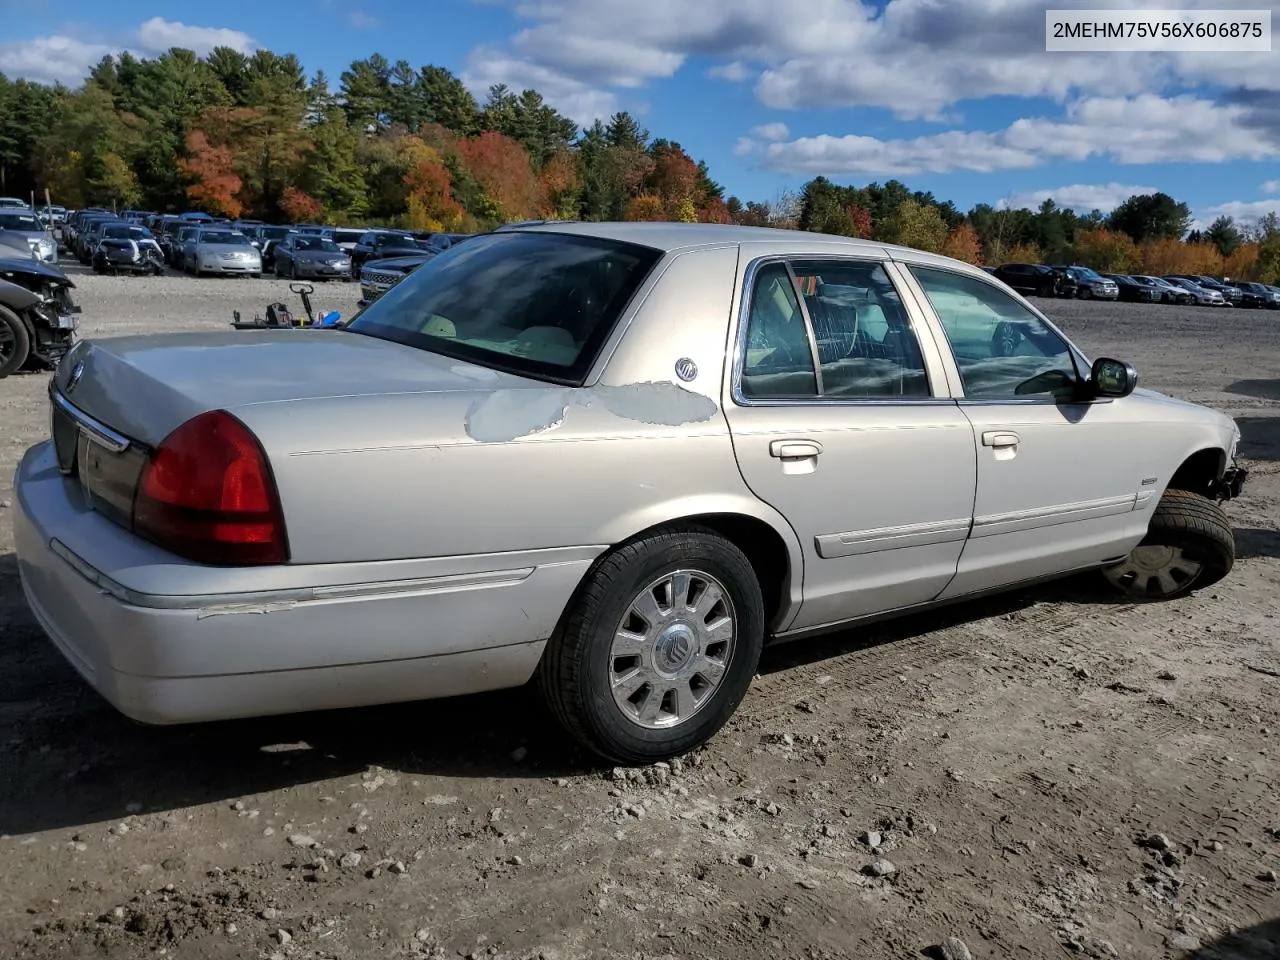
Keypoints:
pixel 1244 212
pixel 1133 130
pixel 158 35
pixel 67 59
pixel 55 59
pixel 771 131
pixel 578 101
pixel 1271 186
pixel 1081 197
pixel 917 58
pixel 363 21
pixel 736 71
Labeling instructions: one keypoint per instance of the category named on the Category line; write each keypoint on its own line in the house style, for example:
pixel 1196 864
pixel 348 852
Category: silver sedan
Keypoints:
pixel 615 459
pixel 214 250
pixel 29 226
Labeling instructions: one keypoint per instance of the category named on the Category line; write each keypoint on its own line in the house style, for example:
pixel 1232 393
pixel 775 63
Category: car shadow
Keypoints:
pixel 61 742
pixel 1258 389
pixel 1259 942
pixel 1259 438
pixel 1255 544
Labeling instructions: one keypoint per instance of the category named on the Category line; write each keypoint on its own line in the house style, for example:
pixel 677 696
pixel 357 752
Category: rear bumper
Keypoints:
pixel 164 641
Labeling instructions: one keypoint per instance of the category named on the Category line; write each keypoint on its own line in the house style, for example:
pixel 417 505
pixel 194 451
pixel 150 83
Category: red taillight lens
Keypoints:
pixel 208 494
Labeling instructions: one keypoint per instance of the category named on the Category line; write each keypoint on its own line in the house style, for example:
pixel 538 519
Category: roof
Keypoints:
pixel 670 236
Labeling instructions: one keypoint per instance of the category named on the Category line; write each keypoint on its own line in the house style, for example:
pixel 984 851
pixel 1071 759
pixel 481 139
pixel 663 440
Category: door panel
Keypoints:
pixel 874 472
pixel 1049 498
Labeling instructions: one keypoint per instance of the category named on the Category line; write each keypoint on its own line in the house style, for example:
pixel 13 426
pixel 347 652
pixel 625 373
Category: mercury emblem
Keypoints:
pixel 686 369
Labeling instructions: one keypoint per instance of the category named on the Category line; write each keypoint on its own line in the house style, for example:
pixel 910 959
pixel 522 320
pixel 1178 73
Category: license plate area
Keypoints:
pixel 108 479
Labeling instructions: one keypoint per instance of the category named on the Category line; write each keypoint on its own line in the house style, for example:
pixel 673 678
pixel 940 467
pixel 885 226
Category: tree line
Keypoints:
pixel 255 136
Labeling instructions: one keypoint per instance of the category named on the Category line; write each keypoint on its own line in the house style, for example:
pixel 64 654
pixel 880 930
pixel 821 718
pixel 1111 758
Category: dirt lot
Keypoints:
pixel 1007 757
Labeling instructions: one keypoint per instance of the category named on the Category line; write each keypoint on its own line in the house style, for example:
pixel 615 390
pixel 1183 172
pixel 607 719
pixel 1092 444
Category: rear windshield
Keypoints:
pixel 535 304
pixel 347 236
pixel 274 233
pixel 129 231
pixel 316 243
pixel 20 221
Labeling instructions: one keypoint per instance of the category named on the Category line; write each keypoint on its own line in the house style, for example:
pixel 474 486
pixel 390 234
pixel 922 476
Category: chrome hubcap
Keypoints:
pixel 1155 571
pixel 672 648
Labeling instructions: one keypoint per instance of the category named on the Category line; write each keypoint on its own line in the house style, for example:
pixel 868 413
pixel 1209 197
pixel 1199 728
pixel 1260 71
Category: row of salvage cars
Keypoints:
pixel 614 461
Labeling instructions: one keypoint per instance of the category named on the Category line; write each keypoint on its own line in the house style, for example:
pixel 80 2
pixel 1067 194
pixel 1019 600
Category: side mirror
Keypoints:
pixel 1113 378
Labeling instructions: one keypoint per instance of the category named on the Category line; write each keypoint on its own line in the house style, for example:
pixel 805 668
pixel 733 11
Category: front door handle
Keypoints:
pixel 1000 438
pixel 794 449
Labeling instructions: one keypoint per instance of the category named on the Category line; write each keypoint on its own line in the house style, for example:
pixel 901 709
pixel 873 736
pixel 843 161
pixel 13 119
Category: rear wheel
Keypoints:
pixel 15 342
pixel 1189 545
pixel 658 647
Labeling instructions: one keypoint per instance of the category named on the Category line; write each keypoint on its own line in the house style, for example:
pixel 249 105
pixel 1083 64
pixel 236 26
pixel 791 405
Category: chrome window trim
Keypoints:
pixel 746 298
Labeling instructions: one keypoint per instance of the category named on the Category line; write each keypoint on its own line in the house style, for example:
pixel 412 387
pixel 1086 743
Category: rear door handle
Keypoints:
pixel 1000 438
pixel 794 449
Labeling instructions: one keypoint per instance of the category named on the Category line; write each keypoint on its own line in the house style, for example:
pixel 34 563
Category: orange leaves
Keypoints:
pixel 716 211
pixel 962 243
pixel 647 206
pixel 860 217
pixel 500 165
pixel 1022 253
pixel 300 207
pixel 558 187
pixel 212 168
pixel 1242 261
pixel 673 178
pixel 431 203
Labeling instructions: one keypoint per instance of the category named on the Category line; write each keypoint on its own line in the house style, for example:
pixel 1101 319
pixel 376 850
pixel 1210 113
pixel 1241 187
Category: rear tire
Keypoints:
pixel 686 661
pixel 15 342
pixel 1189 546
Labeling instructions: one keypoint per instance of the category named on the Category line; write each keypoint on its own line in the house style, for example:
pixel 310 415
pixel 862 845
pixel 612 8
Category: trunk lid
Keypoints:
pixel 145 386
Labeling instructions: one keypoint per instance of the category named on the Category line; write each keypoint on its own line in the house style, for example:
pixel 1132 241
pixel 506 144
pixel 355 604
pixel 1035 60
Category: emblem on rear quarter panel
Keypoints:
pixel 76 373
pixel 686 369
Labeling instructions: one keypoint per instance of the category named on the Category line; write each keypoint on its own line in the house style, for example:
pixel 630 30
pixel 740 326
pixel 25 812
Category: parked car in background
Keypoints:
pixel 302 255
pixel 1230 294
pixel 37 314
pixel 90 233
pixel 1262 295
pixel 221 250
pixel 346 237
pixel 265 238
pixel 1036 279
pixel 1203 296
pixel 179 245
pixel 379 276
pixel 195 216
pixel 1132 289
pixel 28 225
pixel 384 244
pixel 193 566
pixel 14 203
pixel 1090 284
pixel 1171 293
pixel 16 245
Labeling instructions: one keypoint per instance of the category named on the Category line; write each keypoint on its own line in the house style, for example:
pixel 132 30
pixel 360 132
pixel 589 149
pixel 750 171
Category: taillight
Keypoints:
pixel 207 493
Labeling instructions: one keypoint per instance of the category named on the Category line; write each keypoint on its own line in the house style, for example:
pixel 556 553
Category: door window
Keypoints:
pixel 1002 349
pixel 861 333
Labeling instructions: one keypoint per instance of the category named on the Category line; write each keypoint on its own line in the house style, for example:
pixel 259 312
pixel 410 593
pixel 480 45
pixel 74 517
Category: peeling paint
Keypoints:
pixel 506 415
pixel 231 608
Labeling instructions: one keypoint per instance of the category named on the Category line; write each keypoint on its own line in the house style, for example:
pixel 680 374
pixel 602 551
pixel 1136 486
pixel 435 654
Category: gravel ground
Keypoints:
pixel 1048 774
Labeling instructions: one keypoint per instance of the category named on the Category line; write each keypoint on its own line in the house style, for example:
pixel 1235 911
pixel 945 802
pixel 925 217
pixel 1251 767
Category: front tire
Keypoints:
pixel 1189 546
pixel 15 342
pixel 657 648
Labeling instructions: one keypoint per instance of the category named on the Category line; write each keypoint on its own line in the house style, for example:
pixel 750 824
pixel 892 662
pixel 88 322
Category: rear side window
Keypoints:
pixel 537 304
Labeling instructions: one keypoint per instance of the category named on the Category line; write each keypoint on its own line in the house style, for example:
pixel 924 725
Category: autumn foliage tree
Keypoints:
pixel 962 243
pixel 647 206
pixel 860 221
pixel 215 185
pixel 1107 251
pixel 501 168
pixel 300 207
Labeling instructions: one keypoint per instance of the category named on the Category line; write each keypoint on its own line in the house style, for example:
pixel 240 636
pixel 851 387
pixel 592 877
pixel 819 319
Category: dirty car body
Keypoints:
pixel 614 459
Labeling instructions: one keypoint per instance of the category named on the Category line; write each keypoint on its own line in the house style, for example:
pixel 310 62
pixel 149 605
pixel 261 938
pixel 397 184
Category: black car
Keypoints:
pixel 378 276
pixel 1037 279
pixel 383 244
pixel 1268 297
pixel 1134 290
pixel 37 315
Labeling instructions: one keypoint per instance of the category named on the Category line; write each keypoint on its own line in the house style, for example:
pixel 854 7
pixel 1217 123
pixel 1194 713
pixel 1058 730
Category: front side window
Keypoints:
pixel 537 304
pixel 1002 349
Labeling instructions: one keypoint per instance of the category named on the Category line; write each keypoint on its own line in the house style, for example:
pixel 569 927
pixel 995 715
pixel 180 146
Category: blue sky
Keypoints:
pixel 954 96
